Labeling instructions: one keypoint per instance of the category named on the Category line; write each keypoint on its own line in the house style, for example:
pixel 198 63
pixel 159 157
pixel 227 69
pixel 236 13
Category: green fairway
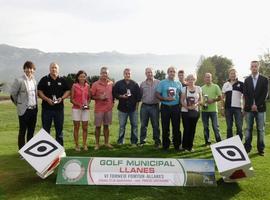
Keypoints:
pixel 19 181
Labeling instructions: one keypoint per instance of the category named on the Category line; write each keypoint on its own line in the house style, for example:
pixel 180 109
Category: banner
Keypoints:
pixel 136 171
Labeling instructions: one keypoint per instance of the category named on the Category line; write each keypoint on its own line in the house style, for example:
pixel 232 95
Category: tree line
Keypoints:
pixel 218 66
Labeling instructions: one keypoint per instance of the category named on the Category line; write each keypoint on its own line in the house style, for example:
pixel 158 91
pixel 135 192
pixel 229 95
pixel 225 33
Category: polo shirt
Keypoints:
pixel 213 91
pixel 233 94
pixel 169 88
pixel 52 87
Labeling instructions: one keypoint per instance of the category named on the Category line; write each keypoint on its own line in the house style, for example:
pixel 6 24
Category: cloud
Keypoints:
pixel 236 29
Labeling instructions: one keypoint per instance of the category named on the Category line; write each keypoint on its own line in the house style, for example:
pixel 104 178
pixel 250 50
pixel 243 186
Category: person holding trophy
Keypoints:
pixel 211 95
pixel 168 91
pixel 128 93
pixel 80 98
pixel 101 92
pixel 191 97
pixel 53 89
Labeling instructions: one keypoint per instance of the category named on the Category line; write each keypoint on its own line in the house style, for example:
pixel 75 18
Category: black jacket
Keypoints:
pixel 120 88
pixel 259 94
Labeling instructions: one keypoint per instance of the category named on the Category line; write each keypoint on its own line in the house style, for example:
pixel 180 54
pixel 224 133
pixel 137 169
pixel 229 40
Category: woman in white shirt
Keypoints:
pixel 190 99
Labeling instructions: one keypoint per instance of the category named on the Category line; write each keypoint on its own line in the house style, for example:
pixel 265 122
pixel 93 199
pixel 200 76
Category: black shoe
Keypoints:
pixel 191 150
pixel 165 148
pixel 157 146
pixel 207 144
pixel 248 150
pixel 141 144
pixel 261 153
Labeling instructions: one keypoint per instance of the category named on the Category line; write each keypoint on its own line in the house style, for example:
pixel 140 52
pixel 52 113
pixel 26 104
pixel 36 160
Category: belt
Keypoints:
pixel 146 104
pixel 32 107
pixel 169 105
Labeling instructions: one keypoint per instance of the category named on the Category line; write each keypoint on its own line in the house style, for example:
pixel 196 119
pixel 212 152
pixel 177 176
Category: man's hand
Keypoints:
pixel 210 101
pixel 59 100
pixel 50 101
pixel 254 108
pixel 169 99
pixel 103 97
pixel 124 96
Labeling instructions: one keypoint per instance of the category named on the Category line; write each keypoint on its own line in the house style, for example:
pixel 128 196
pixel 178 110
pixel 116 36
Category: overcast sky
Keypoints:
pixel 237 29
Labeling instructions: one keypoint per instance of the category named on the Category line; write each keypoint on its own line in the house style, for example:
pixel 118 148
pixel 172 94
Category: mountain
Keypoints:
pixel 12 60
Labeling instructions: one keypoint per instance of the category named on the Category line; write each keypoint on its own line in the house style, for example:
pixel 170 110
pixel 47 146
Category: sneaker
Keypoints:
pixel 141 144
pixel 85 148
pixel 21 158
pixel 261 153
pixel 96 147
pixel 108 146
pixel 77 148
pixel 157 146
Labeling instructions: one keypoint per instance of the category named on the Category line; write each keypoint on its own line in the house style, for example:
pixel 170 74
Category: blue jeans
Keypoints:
pixel 260 124
pixel 215 126
pixel 133 118
pixel 152 112
pixel 235 113
pixel 57 116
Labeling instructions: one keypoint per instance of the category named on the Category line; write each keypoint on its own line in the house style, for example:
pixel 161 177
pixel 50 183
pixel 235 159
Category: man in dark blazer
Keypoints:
pixel 255 94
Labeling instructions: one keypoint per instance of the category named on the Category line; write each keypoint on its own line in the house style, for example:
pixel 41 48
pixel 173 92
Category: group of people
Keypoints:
pixel 175 100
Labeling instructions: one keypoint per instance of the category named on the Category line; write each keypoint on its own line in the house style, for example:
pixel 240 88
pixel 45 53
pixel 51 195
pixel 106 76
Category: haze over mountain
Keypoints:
pixel 12 59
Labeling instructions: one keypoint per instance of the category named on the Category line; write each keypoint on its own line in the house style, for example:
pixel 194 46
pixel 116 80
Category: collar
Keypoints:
pixel 49 76
pixel 256 77
pixel 104 82
pixel 172 80
pixel 27 78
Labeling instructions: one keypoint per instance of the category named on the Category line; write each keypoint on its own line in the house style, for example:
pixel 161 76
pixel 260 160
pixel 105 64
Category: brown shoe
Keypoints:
pixel 96 147
pixel 77 148
pixel 108 146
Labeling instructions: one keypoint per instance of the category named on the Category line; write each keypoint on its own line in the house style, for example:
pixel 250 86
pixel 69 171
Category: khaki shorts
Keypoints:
pixel 80 115
pixel 103 118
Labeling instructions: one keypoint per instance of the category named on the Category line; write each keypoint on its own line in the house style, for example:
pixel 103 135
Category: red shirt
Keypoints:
pixel 103 88
pixel 81 94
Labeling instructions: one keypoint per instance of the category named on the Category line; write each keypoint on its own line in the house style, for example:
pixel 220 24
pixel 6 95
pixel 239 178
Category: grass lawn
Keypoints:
pixel 19 181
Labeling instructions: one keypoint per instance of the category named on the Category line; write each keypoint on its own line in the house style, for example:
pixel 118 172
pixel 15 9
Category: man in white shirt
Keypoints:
pixel 24 96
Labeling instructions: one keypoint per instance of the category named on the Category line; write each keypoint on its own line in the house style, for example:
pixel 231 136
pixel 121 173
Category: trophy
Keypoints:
pixel 205 101
pixel 85 103
pixel 190 101
pixel 105 98
pixel 55 100
pixel 128 93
